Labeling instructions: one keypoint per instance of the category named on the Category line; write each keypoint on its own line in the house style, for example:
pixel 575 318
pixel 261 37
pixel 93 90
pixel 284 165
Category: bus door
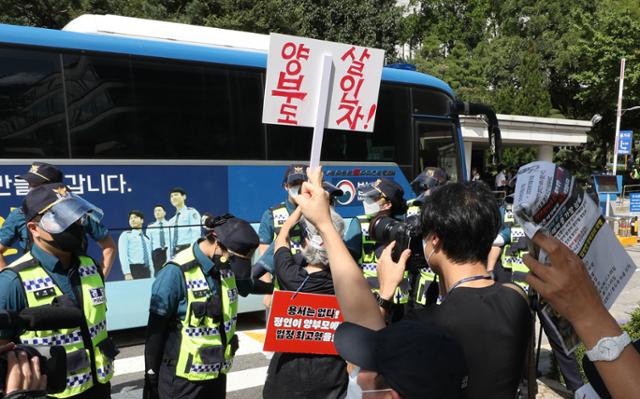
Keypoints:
pixel 437 146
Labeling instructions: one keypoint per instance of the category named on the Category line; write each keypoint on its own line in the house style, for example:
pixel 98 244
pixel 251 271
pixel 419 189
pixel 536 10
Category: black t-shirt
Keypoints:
pixel 493 325
pixel 291 275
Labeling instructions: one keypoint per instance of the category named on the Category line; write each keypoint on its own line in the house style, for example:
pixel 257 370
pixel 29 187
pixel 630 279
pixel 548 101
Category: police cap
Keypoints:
pixel 389 189
pixel 235 234
pixel 41 173
pixel 429 178
pixel 295 173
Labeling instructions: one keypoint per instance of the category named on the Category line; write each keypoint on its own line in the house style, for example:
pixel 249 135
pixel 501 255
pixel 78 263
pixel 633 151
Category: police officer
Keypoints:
pixel 56 270
pixel 185 224
pixel 383 197
pixel 191 337
pixel 14 228
pixel 160 235
pixel 274 217
pixel 135 249
pixel 429 179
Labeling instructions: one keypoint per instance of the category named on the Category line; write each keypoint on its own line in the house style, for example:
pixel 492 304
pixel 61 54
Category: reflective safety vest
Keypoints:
pixel 368 261
pixel 413 208
pixel 513 254
pixel 280 215
pixel 85 365
pixel 209 325
pixel 426 274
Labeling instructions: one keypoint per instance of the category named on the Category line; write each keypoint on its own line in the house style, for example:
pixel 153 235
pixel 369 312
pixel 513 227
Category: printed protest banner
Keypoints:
pixel 294 74
pixel 302 323
pixel 548 197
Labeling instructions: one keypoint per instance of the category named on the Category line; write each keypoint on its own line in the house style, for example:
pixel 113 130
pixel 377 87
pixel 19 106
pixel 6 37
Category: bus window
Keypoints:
pixel 101 107
pixel 389 142
pixel 431 102
pixel 437 146
pixel 158 109
pixel 32 118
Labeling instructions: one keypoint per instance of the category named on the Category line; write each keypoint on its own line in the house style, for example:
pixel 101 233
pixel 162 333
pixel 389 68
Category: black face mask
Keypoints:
pixel 220 260
pixel 71 240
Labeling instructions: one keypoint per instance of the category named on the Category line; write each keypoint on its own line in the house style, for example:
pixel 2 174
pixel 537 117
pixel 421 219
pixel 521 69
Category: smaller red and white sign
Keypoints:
pixel 302 323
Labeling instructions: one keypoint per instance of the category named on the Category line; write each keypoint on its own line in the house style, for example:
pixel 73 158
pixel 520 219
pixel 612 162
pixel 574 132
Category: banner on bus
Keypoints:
pixel 293 83
pixel 302 323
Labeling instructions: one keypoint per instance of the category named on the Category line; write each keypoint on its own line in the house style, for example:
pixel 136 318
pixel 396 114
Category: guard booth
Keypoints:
pixel 622 219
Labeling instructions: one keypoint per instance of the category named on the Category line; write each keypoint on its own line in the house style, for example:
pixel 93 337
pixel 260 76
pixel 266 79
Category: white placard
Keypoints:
pixel 292 89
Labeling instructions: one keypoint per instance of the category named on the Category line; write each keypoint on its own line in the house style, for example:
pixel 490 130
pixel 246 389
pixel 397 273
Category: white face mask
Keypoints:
pixel 371 206
pixel 427 257
pixel 294 191
pixel 353 389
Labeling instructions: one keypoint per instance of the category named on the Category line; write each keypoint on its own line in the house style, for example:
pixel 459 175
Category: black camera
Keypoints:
pixel 53 364
pixel 407 234
pixel 53 359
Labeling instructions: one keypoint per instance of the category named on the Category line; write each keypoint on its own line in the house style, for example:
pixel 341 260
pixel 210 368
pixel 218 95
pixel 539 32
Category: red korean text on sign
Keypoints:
pixel 302 323
pixel 290 81
pixel 350 85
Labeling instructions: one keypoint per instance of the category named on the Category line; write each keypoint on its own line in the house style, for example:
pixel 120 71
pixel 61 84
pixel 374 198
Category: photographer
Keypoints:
pixel 24 380
pixel 492 322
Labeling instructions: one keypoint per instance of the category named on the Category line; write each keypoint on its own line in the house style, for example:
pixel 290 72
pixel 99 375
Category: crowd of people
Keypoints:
pixel 431 322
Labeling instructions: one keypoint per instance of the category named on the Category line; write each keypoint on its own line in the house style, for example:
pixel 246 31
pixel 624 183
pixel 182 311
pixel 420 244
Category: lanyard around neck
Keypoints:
pixel 468 279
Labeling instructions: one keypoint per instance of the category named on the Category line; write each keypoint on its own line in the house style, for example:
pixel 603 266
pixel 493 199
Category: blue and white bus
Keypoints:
pixel 127 117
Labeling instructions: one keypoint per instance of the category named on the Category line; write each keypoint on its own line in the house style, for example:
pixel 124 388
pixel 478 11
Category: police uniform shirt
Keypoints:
pixel 169 293
pixel 190 219
pixel 15 229
pixel 158 232
pixel 132 246
pixel 266 232
pixel 505 230
pixel 353 238
pixel 12 294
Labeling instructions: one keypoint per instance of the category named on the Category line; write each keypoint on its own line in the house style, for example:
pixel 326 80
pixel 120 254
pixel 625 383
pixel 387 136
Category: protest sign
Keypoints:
pixel 320 84
pixel 547 197
pixel 302 323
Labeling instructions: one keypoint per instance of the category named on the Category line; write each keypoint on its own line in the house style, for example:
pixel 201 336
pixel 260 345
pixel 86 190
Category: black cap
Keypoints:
pixel 416 359
pixel 332 190
pixel 40 198
pixel 391 190
pixel 41 173
pixel 178 190
pixel 294 173
pixel 594 377
pixel 429 178
pixel 236 235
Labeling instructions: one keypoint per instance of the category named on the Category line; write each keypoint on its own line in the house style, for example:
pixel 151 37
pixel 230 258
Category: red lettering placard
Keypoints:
pixel 302 323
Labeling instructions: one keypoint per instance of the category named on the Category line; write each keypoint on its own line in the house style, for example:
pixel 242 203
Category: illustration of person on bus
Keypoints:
pixel 185 224
pixel 159 233
pixel 134 248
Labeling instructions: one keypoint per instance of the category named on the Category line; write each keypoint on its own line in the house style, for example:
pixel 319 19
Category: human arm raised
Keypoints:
pixel 354 295
pixel 565 284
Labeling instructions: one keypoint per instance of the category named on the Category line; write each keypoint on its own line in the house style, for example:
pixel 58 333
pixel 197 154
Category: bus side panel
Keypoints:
pixel 245 191
pixel 253 189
